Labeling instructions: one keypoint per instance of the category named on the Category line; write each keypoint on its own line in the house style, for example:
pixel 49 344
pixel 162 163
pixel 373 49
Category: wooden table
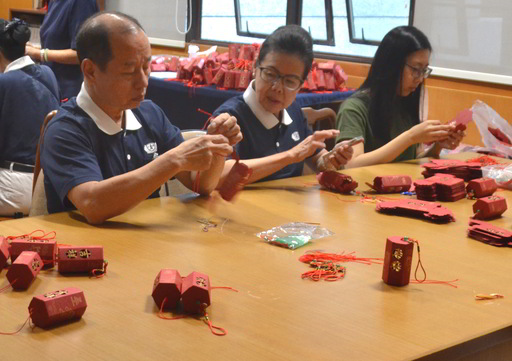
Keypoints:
pixel 276 315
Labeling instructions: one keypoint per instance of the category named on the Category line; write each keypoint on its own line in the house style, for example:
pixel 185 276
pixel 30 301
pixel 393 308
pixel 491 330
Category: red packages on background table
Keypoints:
pixel 229 79
pixel 172 64
pixel 233 51
pixel 243 79
pixel 339 75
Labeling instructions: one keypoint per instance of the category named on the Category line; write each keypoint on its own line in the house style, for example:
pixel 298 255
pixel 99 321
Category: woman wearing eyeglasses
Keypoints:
pixel 386 109
pixel 277 139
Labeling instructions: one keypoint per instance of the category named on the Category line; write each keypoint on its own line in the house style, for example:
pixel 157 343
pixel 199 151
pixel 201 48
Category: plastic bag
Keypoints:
pixel 495 131
pixel 501 173
pixel 294 235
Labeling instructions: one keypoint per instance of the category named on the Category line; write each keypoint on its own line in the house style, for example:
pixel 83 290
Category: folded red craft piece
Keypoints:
pixel 46 248
pixel 397 261
pixel 195 292
pixel 443 187
pixel 337 182
pixel 4 252
pixel 416 208
pixel 490 234
pixel 167 286
pixel 489 207
pixel 79 258
pixel 24 270
pixel 54 308
pixel 465 170
pixel 481 187
pixel 235 181
pixel 391 184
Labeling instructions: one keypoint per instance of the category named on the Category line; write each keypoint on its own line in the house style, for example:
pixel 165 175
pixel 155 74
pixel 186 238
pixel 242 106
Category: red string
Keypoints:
pixel 44 237
pixel 310 256
pixel 24 323
pixel 206 320
pixel 419 264
pixel 99 273
pixel 5 288
pixel 161 315
pixel 197 180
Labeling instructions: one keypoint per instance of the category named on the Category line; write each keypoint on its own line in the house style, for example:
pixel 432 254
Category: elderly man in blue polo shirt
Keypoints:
pixel 109 149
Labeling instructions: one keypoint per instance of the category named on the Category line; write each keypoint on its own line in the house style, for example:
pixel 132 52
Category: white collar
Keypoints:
pixel 104 122
pixel 266 118
pixel 19 63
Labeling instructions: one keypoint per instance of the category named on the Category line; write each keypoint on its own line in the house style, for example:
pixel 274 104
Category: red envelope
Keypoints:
pixel 158 67
pixel 490 234
pixel 219 77
pixel 243 79
pixel 246 52
pixel 229 79
pixel 320 79
pixel 337 182
pixel 172 64
pixel 208 75
pixel 329 81
pixel 223 58
pixel 233 51
pixel 339 75
pixel 311 82
pixel 415 208
pixel 327 66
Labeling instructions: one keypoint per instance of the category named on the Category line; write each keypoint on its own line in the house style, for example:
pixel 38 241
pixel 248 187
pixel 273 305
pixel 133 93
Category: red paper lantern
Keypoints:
pixel 56 307
pixel 397 261
pixel 195 292
pixel 24 270
pixel 167 285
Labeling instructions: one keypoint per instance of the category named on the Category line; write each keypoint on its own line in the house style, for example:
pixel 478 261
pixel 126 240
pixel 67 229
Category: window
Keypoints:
pixel 335 34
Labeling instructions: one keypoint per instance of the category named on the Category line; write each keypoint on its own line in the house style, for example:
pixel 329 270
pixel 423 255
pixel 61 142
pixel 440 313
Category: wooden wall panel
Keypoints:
pixel 5 5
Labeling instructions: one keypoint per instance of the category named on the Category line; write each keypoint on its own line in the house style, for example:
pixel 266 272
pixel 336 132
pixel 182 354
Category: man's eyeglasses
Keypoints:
pixel 290 82
pixel 417 72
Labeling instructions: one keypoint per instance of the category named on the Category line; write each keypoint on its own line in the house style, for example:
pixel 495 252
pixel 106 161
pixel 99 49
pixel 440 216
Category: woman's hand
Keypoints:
pixel 430 131
pixel 33 51
pixel 453 140
pixel 226 125
pixel 308 146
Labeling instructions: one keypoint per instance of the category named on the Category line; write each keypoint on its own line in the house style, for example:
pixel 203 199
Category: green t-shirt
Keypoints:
pixel 352 121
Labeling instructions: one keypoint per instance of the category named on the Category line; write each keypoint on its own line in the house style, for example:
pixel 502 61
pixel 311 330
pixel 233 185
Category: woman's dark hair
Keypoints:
pixel 13 37
pixel 385 78
pixel 93 38
pixel 289 39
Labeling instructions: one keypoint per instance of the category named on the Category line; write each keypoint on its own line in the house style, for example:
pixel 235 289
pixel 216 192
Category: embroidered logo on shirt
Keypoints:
pixel 295 136
pixel 150 148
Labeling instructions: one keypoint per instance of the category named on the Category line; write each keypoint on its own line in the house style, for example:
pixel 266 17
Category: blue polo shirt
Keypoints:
pixel 264 134
pixel 27 93
pixel 58 31
pixel 76 150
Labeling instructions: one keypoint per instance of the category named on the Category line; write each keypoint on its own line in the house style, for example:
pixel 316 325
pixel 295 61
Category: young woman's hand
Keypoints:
pixel 453 140
pixel 430 131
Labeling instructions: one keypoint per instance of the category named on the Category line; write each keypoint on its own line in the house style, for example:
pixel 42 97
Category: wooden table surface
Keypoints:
pixel 276 315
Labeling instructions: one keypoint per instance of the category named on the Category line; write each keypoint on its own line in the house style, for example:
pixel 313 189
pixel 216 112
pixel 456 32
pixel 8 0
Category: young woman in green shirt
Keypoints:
pixel 386 108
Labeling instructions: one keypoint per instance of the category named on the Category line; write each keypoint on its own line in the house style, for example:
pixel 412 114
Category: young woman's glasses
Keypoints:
pixel 417 72
pixel 290 82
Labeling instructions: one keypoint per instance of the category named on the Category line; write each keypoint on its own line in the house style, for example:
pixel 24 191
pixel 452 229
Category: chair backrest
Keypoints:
pixel 37 166
pixel 38 206
pixel 320 119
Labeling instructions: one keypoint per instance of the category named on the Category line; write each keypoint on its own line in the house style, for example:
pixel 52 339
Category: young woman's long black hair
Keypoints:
pixel 385 78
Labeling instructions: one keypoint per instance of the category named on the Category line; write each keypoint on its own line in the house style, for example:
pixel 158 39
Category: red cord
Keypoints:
pixel 24 323
pixel 5 288
pixel 99 273
pixel 44 237
pixel 310 256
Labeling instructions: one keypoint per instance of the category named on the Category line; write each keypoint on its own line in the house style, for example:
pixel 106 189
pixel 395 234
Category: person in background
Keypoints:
pixel 27 93
pixel 386 108
pixel 108 149
pixel 277 139
pixel 58 45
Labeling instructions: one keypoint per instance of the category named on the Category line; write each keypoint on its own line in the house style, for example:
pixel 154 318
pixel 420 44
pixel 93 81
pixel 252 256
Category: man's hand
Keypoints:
pixel 196 154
